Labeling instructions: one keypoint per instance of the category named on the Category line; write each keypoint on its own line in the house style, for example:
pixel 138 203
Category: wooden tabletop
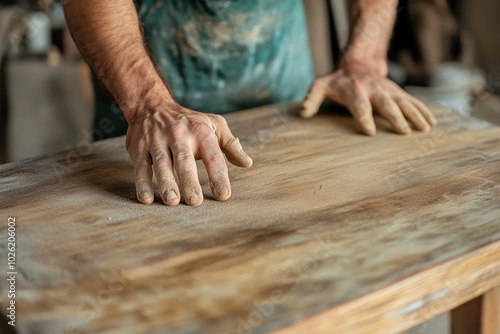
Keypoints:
pixel 330 231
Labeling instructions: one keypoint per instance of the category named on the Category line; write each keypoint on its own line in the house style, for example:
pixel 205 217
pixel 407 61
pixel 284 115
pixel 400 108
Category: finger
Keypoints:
pixel 215 163
pixel 389 109
pixel 229 144
pixel 361 110
pixel 164 172
pixel 185 165
pixel 424 110
pixel 411 112
pixel 143 178
pixel 314 99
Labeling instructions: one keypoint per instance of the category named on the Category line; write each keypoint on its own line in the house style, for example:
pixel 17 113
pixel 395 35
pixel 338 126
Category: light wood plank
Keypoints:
pixel 490 315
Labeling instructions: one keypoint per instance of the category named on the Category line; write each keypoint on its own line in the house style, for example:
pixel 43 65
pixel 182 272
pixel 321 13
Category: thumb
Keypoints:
pixel 314 99
pixel 230 145
pixel 235 154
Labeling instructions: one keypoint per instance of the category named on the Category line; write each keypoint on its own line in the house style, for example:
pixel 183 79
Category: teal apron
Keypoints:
pixel 221 56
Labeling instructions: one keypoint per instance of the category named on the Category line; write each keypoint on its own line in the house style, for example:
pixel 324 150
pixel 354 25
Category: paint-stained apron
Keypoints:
pixel 221 56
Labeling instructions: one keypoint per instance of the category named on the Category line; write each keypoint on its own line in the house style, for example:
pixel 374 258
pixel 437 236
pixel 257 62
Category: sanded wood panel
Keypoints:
pixel 329 232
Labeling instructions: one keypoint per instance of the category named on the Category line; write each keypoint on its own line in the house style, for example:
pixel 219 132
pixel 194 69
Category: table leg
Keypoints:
pixel 478 316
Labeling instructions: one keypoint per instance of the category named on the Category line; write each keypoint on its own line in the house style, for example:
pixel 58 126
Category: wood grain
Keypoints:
pixel 328 232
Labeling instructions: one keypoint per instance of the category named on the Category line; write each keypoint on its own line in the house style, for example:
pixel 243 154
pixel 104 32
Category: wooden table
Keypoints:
pixel 329 232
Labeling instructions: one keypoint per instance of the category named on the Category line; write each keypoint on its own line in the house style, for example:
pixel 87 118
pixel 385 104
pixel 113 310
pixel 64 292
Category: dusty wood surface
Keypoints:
pixel 329 231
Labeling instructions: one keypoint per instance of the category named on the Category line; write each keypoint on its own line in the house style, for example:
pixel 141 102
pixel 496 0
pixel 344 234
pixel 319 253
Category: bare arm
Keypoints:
pixel 371 24
pixel 162 136
pixel 109 37
pixel 360 83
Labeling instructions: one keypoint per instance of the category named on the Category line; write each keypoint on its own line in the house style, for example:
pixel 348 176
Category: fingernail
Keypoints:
pixel 248 163
pixel 305 112
pixel 425 128
pixel 370 130
pixel 366 125
pixel 406 130
pixel 171 198
pixel 222 194
pixel 367 129
pixel 145 197
pixel 171 195
pixel 193 199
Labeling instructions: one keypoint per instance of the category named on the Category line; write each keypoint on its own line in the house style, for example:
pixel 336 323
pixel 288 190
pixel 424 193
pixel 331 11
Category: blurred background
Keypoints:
pixel 447 52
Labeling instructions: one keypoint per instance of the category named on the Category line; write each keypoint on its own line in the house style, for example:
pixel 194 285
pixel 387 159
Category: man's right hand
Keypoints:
pixel 170 138
pixel 163 136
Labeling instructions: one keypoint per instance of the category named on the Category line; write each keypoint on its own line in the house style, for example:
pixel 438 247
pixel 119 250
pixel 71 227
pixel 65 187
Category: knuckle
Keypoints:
pixel 161 158
pixel 155 134
pixel 166 183
pixel 177 131
pixel 363 105
pixel 201 129
pixel 400 99
pixel 140 179
pixel 357 87
pixel 141 184
pixel 322 82
pixel 183 156
pixel 181 117
pixel 214 160
pixel 219 123
pixel 405 105
pixel 220 120
pixel 156 150
pixel 140 164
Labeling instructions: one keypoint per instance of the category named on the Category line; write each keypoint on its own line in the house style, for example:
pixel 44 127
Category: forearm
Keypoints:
pixel 371 25
pixel 109 37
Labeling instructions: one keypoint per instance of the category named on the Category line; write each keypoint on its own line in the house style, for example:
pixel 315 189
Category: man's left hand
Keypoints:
pixel 361 89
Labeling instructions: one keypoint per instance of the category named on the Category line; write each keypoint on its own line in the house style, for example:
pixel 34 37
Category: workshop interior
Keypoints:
pixel 445 52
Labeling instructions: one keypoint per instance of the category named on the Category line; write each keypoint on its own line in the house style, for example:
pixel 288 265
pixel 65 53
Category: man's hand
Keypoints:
pixel 361 88
pixel 162 137
pixel 172 137
pixel 360 84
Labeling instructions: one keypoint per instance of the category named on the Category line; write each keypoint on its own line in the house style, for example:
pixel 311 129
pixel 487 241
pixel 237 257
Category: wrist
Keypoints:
pixel 376 64
pixel 151 98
